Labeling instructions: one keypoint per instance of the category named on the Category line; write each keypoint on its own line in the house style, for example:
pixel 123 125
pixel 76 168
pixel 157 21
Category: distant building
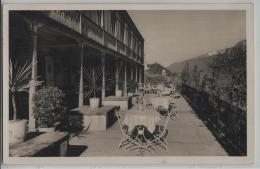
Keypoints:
pixel 146 67
pixel 164 72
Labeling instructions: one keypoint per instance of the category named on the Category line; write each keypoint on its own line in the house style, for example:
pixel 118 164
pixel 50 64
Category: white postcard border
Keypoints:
pixel 249 159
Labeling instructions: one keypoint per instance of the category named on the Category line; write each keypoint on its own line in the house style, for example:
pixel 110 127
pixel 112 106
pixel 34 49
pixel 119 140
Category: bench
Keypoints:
pixel 46 144
pixel 99 119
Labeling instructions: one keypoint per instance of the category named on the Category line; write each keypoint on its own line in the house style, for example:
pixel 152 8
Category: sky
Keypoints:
pixel 173 36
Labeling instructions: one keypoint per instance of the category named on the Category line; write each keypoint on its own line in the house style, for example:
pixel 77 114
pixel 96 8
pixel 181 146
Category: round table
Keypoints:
pixel 163 101
pixel 146 117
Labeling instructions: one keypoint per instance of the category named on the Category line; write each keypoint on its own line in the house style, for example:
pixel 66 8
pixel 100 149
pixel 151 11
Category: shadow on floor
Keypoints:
pixel 76 150
pixel 32 135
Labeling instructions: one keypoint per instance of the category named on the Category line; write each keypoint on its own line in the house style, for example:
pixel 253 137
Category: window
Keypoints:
pixel 122 30
pixel 129 38
pixel 94 16
pixel 113 23
pixel 110 22
pixel 126 35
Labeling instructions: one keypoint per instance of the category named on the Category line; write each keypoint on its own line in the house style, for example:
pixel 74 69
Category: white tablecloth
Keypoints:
pixel 146 117
pixel 163 101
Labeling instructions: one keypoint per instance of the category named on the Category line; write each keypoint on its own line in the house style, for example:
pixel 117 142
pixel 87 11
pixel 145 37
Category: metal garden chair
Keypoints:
pixel 127 138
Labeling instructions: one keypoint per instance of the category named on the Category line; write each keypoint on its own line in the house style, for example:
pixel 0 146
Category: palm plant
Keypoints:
pixel 18 81
pixel 131 86
pixel 93 76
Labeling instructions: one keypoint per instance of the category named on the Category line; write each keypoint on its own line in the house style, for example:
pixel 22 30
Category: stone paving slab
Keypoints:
pixel 187 136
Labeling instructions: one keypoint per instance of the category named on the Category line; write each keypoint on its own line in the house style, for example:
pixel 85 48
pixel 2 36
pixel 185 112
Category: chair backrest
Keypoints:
pixel 140 130
pixel 120 122
pixel 165 125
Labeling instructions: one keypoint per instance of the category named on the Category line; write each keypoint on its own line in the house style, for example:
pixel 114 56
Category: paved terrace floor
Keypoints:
pixel 187 136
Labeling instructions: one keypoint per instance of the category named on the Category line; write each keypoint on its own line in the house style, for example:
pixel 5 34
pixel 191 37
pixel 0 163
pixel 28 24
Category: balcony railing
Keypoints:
pixel 226 122
pixel 109 41
pixel 121 48
pixel 128 52
pixel 133 55
pixel 68 18
pixel 91 30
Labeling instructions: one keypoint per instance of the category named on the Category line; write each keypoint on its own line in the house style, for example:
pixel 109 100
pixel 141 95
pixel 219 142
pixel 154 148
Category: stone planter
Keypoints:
pixel 47 129
pixel 130 94
pixel 94 103
pixel 17 131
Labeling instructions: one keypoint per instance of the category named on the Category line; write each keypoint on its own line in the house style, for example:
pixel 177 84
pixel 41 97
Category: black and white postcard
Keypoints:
pixel 135 84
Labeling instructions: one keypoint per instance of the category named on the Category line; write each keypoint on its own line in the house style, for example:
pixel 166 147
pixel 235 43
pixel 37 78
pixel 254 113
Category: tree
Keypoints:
pixel 195 77
pixel 185 76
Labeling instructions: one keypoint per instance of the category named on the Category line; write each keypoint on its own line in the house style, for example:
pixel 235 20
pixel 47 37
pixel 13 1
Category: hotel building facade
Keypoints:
pixel 60 43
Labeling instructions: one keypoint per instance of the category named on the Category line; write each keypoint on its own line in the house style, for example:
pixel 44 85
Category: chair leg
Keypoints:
pixel 151 148
pixel 132 148
pixel 165 141
pixel 123 139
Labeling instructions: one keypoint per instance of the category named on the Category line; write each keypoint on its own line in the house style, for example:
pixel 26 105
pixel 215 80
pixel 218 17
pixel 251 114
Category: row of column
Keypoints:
pixel 33 81
pixel 103 62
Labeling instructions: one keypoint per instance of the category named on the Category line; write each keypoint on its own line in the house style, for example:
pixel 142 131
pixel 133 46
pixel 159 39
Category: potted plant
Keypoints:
pixel 131 86
pixel 93 77
pixel 49 107
pixel 19 76
pixel 119 91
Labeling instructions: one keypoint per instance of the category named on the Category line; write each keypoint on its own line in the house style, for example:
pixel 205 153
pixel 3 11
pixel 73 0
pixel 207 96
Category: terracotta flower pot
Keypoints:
pixel 94 103
pixel 17 131
pixel 119 93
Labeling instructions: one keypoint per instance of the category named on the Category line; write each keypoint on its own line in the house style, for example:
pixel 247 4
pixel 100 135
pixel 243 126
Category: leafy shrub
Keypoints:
pixel 131 86
pixel 49 106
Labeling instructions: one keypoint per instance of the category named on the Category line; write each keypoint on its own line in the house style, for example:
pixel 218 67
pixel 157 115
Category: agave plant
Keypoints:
pixel 93 77
pixel 18 81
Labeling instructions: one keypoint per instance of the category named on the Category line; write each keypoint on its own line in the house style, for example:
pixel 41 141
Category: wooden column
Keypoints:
pixel 32 88
pixel 81 94
pixel 117 75
pixel 132 71
pixel 125 81
pixel 136 73
pixel 103 60
pixel 140 74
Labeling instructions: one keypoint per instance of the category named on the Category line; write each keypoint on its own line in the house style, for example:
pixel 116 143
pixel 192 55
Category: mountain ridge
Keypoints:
pixel 201 61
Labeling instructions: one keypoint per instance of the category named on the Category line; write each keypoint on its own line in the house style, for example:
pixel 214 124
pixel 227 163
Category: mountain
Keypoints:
pixel 203 60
